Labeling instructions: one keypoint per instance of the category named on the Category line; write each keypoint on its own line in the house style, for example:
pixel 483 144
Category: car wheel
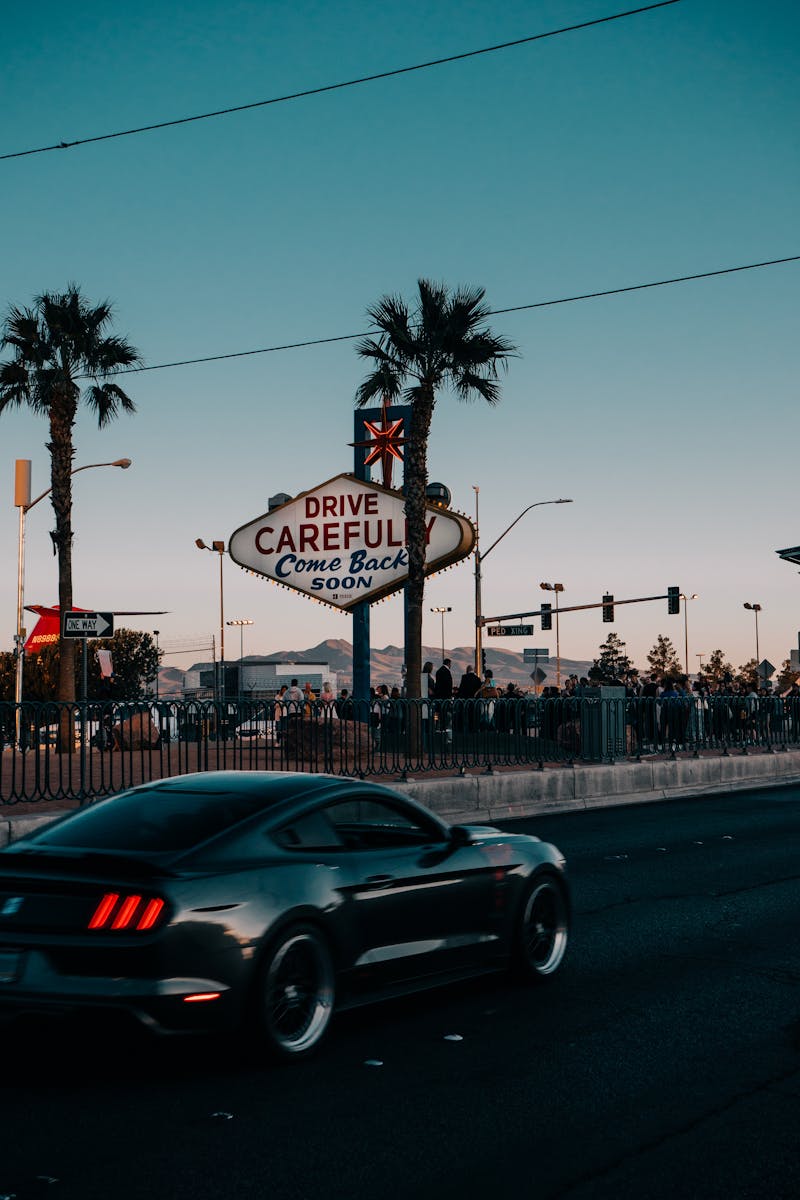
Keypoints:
pixel 542 930
pixel 294 993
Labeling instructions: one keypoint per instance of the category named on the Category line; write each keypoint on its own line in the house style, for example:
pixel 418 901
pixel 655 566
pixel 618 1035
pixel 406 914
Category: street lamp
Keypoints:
pixel 685 599
pixel 755 609
pixel 555 587
pixel 241 623
pixel 218 548
pixel 479 560
pixel 22 500
pixel 442 611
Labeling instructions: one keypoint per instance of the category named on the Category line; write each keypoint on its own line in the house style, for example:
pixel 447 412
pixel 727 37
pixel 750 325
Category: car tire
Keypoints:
pixel 294 993
pixel 542 929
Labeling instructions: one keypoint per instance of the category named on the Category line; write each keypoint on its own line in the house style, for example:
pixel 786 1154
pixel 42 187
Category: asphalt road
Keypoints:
pixel 663 1062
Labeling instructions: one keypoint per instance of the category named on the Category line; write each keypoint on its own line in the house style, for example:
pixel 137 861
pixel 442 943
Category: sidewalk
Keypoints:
pixel 501 794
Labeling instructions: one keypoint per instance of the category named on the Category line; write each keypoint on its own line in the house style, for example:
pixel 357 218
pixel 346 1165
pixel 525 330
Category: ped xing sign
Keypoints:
pixel 87 624
pixel 509 630
pixel 344 542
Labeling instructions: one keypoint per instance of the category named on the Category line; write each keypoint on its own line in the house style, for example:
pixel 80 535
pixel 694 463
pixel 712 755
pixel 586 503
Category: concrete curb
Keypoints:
pixel 497 796
pixel 501 796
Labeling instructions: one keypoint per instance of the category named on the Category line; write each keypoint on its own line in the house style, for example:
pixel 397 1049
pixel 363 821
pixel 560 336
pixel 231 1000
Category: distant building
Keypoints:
pixel 260 679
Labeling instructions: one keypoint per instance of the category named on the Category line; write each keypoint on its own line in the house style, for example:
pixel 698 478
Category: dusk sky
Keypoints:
pixel 656 146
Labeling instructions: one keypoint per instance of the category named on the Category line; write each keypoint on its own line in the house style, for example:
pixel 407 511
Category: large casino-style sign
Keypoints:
pixel 344 542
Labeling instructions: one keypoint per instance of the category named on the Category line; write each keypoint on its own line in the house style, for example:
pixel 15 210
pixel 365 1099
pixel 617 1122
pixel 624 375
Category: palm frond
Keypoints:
pixel 20 329
pixel 369 348
pixel 468 384
pixel 384 381
pixel 107 400
pixel 111 354
pixel 392 318
pixel 14 384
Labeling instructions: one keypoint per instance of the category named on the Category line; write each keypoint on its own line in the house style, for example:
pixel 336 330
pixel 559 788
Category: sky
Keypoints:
pixel 656 146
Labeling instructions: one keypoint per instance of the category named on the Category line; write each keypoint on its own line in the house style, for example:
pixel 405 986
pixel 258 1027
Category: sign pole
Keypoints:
pixel 361 642
pixel 361 612
pixel 478 597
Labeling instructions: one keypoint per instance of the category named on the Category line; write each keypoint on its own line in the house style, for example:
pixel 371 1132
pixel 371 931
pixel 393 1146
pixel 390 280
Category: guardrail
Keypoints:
pixel 114 746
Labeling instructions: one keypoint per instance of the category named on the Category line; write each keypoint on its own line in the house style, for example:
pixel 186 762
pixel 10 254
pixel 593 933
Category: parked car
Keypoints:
pixel 263 901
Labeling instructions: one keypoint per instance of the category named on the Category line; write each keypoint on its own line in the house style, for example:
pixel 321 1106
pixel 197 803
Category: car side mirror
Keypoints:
pixel 460 835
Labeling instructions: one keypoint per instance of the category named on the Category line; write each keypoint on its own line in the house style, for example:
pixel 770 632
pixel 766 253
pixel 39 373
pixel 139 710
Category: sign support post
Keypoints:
pixel 361 630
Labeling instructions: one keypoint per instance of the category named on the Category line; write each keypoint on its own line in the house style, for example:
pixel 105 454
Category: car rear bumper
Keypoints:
pixel 165 1005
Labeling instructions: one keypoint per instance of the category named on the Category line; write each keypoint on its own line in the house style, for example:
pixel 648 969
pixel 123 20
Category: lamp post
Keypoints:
pixel 686 599
pixel 479 557
pixel 755 610
pixel 218 548
pixel 442 611
pixel 557 588
pixel 241 624
pixel 22 500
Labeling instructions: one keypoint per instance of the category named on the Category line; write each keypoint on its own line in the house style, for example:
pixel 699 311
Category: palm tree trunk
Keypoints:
pixel 62 417
pixel 416 484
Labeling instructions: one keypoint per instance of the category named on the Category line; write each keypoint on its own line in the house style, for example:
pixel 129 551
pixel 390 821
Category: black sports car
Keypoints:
pixel 206 901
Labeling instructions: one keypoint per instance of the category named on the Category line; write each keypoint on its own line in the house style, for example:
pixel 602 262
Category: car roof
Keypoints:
pixel 274 786
pixel 183 814
pixel 282 793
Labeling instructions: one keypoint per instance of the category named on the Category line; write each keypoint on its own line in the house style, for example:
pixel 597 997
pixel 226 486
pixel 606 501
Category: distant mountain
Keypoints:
pixel 386 664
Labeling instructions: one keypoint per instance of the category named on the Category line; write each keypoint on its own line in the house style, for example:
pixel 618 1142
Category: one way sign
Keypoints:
pixel 87 624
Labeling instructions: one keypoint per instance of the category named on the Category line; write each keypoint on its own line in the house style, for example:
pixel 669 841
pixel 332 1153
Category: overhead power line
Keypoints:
pixel 347 337
pixel 333 87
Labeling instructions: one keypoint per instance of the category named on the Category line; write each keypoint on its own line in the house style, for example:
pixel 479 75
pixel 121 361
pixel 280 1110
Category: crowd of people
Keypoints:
pixel 660 710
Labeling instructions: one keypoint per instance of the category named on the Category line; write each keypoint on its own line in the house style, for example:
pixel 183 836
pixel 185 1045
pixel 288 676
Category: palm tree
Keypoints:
pixel 442 343
pixel 56 343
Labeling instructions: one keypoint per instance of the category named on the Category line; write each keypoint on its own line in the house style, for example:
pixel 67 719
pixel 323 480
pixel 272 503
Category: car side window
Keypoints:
pixel 365 823
pixel 312 831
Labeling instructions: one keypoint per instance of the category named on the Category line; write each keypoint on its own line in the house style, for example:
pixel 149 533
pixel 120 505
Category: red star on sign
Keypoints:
pixel 384 443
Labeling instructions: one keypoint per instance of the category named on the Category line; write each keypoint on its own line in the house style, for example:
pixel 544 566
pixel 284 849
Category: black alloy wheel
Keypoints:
pixel 295 993
pixel 543 930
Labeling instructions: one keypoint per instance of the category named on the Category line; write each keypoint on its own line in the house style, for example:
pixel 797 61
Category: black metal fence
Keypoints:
pixel 53 752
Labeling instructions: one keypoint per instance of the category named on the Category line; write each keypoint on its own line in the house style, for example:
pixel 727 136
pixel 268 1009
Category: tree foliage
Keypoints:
pixel 440 343
pixel 40 675
pixel 135 662
pixel 718 671
pixel 663 659
pixel 786 676
pixel 613 664
pixel 747 675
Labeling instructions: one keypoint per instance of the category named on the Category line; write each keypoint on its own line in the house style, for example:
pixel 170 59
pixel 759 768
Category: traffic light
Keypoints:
pixel 547 619
pixel 483 662
pixel 608 607
pixel 673 600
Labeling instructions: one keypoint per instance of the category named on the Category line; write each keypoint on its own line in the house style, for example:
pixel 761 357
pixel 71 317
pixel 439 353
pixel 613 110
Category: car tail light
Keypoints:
pixel 127 911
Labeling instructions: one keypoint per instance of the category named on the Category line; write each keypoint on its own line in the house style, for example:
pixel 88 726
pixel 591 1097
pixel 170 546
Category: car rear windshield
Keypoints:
pixel 154 820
